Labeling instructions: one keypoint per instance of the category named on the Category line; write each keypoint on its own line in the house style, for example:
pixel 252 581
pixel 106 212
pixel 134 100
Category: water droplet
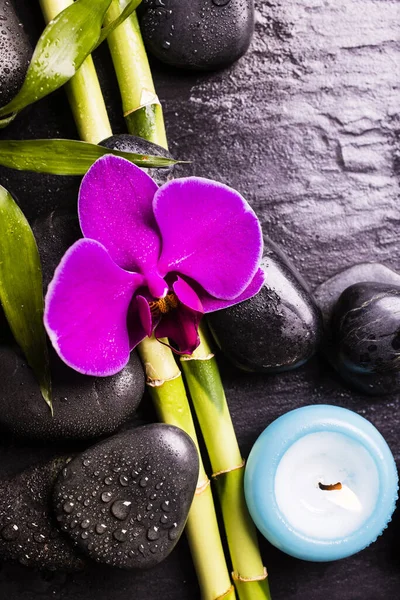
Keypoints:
pixel 121 509
pixel 100 528
pixel 166 45
pixel 173 532
pixel 124 480
pixel 106 496
pixel 144 481
pixel 10 532
pixel 86 462
pixel 165 506
pixel 221 2
pixel 141 549
pixel 39 538
pixel 85 535
pixel 152 534
pixel 68 507
pixel 86 502
pixel 85 523
pixel 73 524
pixel 158 486
pixel 108 480
pixel 164 519
pixel 120 535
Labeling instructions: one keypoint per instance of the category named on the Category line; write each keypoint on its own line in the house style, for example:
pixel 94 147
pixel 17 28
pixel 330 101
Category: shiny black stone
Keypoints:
pixel 28 530
pixel 198 35
pixel 361 308
pixel 131 143
pixel 276 330
pixel 125 501
pixel 15 52
pixel 84 407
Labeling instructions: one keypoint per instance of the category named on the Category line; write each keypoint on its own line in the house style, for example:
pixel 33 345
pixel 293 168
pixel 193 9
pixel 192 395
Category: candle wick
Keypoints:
pixel 330 487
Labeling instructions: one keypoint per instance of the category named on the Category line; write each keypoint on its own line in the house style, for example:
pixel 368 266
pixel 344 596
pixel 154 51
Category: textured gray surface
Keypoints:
pixel 306 127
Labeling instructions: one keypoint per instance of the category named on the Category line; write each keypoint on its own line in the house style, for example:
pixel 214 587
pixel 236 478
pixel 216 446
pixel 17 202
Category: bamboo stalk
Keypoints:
pixel 208 397
pixel 166 388
pixel 83 90
pixel 141 107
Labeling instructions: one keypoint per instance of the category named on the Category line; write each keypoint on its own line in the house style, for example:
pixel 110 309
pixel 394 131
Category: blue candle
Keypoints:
pixel 321 483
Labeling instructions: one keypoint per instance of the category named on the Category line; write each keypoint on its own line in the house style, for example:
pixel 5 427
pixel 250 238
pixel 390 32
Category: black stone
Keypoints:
pixel 361 308
pixel 28 530
pixel 125 501
pixel 131 143
pixel 276 330
pixel 84 407
pixel 15 52
pixel 198 35
pixel 54 234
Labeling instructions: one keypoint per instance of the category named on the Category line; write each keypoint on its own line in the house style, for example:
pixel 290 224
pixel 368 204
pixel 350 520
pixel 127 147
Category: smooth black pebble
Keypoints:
pixel 84 407
pixel 198 35
pixel 28 530
pixel 15 52
pixel 276 330
pixel 125 142
pixel 125 501
pixel 361 308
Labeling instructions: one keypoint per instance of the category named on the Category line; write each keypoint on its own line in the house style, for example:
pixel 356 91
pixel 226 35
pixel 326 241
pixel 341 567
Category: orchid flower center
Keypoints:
pixel 164 305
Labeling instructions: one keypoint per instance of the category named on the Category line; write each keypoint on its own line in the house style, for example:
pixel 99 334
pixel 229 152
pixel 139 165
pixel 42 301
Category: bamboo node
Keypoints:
pixel 236 468
pixel 225 594
pixel 147 98
pixel 153 381
pixel 237 577
pixel 191 357
pixel 201 487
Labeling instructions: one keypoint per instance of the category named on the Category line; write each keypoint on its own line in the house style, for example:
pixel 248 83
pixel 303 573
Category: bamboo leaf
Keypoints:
pixel 65 157
pixel 62 48
pixel 128 10
pixel 21 289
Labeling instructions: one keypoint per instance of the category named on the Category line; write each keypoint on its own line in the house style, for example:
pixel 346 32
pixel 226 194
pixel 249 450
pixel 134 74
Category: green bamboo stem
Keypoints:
pixel 142 109
pixel 208 397
pixel 166 388
pixel 83 90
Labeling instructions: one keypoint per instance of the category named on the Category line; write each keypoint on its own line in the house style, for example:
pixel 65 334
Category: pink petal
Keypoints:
pixel 211 304
pixel 141 321
pixel 86 310
pixel 209 233
pixel 115 208
pixel 187 295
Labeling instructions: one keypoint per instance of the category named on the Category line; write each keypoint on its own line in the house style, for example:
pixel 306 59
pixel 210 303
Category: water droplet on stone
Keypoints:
pixel 84 535
pixel 165 506
pixel 39 538
pixel 164 519
pixel 106 496
pixel 108 480
pixel 120 535
pixel 221 2
pixel 121 509
pixel 144 481
pixel 100 528
pixel 173 533
pixel 68 507
pixel 10 532
pixel 85 524
pixel 86 462
pixel 152 534
pixel 124 480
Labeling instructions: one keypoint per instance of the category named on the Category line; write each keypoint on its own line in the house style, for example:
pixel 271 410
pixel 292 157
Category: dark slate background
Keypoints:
pixel 306 127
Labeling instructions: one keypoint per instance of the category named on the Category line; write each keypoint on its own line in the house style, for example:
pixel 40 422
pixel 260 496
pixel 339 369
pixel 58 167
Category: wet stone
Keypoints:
pixel 28 533
pixel 197 35
pixel 361 308
pixel 126 522
pixel 278 329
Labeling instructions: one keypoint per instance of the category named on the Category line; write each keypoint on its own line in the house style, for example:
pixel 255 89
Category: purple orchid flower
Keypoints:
pixel 151 260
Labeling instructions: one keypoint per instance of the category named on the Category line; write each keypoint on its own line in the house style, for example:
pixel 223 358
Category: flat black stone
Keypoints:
pixel 125 501
pixel 28 530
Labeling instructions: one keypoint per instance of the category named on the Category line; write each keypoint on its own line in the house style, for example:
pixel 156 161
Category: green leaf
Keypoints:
pixel 62 48
pixel 128 10
pixel 65 157
pixel 21 289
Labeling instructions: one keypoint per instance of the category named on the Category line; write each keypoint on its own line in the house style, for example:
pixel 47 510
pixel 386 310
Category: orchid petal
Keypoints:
pixel 209 233
pixel 211 304
pixel 180 326
pixel 141 320
pixel 115 208
pixel 187 295
pixel 86 310
pixel 145 314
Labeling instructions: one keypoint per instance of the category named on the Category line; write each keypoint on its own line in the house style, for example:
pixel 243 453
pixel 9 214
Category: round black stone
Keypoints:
pixel 276 330
pixel 28 530
pixel 361 308
pixel 84 407
pixel 198 35
pixel 125 501
pixel 125 142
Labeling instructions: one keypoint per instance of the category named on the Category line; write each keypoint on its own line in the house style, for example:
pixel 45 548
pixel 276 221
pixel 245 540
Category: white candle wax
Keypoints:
pixel 327 458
